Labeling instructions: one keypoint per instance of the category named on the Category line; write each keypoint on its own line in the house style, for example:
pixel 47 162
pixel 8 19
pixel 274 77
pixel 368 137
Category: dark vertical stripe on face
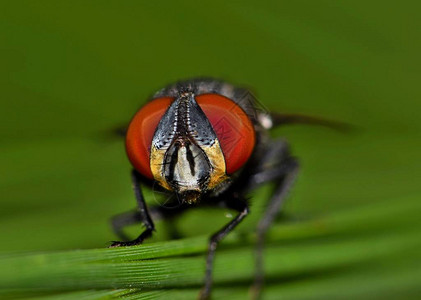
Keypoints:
pixel 190 159
pixel 173 162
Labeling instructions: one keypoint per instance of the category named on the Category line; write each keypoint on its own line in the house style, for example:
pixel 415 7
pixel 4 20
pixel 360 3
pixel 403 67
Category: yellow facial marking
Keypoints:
pixel 157 167
pixel 217 160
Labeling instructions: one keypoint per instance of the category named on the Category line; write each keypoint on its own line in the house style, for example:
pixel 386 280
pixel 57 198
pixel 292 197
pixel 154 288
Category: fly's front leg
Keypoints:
pixel 142 214
pixel 243 209
pixel 120 221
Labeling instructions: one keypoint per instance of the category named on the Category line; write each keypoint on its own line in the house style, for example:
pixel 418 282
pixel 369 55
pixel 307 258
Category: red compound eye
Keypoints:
pixel 233 128
pixel 141 131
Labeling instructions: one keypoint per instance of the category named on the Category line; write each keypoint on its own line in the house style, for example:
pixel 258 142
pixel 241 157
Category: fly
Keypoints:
pixel 206 141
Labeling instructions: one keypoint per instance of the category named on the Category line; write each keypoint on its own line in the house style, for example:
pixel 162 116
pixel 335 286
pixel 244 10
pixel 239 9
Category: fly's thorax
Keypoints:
pixel 186 156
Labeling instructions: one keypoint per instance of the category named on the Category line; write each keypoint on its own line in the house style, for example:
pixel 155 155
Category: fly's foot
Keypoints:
pixel 116 244
pixel 255 291
pixel 204 294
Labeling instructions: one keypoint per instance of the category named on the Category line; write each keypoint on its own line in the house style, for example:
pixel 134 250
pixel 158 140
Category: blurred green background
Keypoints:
pixel 72 71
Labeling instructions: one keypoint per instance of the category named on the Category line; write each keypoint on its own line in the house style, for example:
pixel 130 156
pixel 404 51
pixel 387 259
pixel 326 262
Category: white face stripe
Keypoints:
pixel 191 169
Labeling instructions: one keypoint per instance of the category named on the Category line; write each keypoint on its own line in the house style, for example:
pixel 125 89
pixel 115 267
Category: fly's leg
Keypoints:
pixel 143 214
pixel 243 210
pixel 273 208
pixel 120 221
pixel 271 166
pixel 279 167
